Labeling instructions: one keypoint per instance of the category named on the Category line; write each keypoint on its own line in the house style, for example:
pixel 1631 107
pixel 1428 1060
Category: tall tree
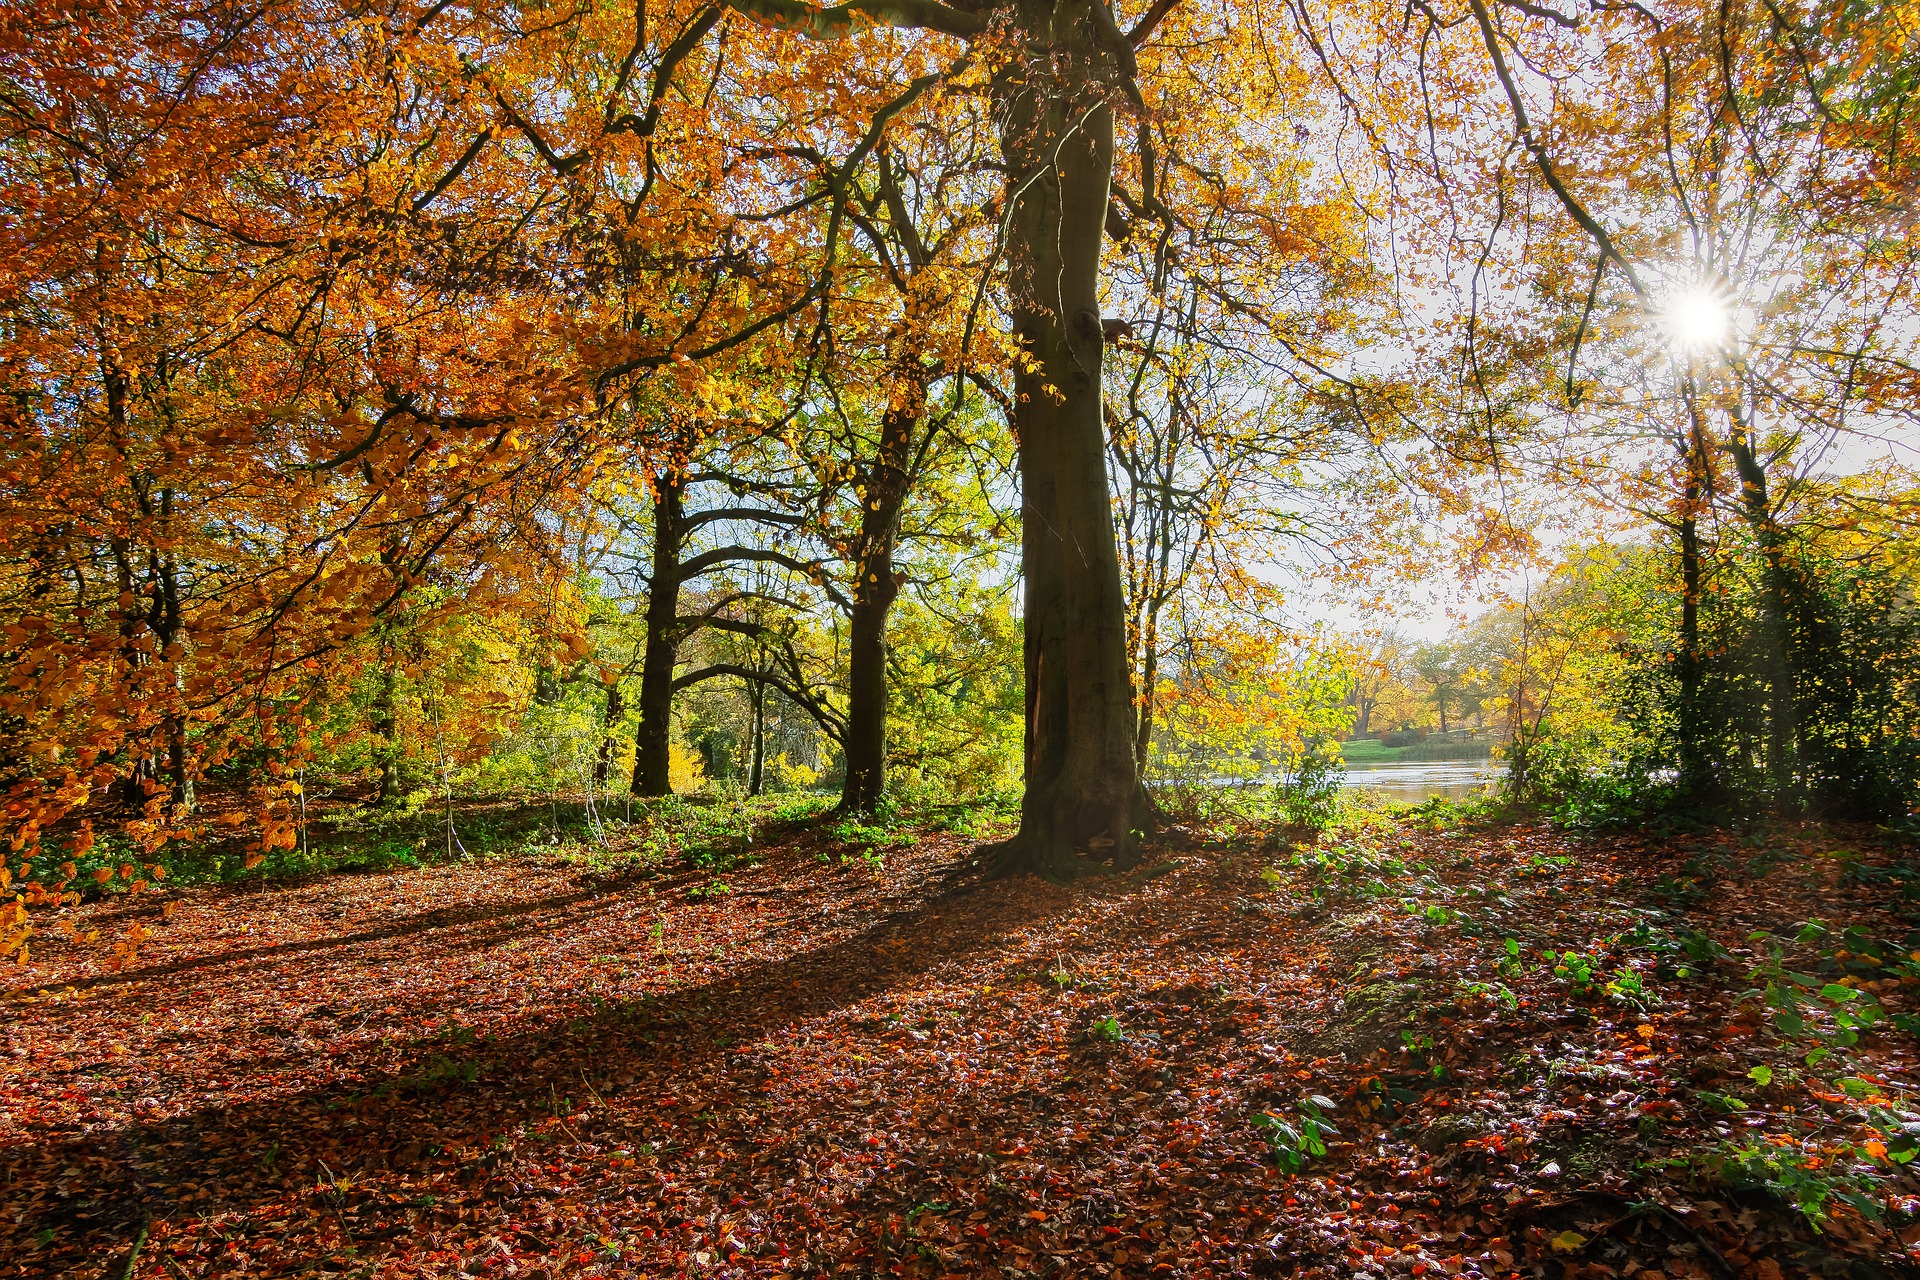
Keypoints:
pixel 1062 71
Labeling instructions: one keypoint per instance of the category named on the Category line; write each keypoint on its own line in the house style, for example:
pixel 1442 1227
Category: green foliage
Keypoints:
pixel 1677 953
pixel 1628 988
pixel 1808 691
pixel 1804 1005
pixel 1308 795
pixel 1493 992
pixel 956 705
pixel 1853 639
pixel 1301 1137
pixel 1573 969
pixel 1805 1181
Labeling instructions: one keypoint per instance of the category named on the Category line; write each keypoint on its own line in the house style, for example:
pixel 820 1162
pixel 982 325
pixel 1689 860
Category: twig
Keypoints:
pixel 139 1241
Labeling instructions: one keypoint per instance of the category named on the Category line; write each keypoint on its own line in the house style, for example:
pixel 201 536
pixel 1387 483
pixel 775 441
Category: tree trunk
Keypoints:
pixel 167 633
pixel 386 751
pixel 756 773
pixel 610 721
pixel 1084 803
pixel 1149 681
pixel 179 756
pixel 1691 729
pixel 652 754
pixel 874 591
pixel 1777 597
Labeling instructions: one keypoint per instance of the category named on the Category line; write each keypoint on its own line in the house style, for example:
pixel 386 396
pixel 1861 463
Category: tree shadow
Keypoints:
pixel 437 919
pixel 447 1107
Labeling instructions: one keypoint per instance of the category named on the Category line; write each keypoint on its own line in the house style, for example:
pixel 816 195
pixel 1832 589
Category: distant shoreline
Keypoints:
pixel 1369 751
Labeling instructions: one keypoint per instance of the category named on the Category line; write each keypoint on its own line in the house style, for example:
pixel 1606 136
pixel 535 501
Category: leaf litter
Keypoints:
pixel 1419 1049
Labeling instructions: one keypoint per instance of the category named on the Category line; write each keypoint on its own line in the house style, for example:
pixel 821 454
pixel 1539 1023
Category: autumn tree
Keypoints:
pixel 1672 284
pixel 310 308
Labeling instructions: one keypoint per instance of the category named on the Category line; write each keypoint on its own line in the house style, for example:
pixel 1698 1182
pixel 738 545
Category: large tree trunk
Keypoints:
pixel 1084 802
pixel 652 755
pixel 874 591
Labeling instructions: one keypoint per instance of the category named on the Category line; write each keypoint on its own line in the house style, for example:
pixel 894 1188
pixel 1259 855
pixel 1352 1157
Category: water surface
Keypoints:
pixel 1454 779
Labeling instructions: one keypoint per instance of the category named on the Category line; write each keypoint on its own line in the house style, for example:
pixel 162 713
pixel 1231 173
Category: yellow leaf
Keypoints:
pixel 1568 1242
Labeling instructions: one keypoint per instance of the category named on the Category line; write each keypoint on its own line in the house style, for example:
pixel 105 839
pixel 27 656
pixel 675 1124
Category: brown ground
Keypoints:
pixel 512 1069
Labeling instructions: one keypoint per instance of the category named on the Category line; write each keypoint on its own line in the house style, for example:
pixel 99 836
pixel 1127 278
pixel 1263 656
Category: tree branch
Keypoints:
pixel 1538 151
pixel 845 19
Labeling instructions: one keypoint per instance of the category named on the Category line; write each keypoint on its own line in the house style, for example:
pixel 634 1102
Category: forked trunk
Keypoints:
pixel 652 756
pixel 1084 803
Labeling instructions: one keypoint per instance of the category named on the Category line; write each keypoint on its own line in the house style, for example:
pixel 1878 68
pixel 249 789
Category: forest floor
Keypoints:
pixel 1532 1052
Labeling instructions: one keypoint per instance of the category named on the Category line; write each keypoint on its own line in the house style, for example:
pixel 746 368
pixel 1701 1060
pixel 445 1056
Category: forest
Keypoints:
pixel 1111 638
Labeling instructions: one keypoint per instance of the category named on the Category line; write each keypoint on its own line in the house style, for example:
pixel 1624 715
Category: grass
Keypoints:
pixel 713 833
pixel 710 833
pixel 1366 751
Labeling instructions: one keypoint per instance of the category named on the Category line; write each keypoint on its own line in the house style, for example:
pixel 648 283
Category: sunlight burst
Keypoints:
pixel 1698 319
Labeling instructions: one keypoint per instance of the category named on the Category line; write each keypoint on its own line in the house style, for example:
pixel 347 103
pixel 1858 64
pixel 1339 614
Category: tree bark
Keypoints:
pixel 874 590
pixel 167 630
pixel 1084 803
pixel 386 751
pixel 1778 595
pixel 652 751
pixel 756 774
pixel 616 708
pixel 1149 682
pixel 1692 728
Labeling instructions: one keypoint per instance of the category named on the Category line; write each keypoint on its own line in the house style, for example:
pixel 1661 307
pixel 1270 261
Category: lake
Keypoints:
pixel 1454 779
